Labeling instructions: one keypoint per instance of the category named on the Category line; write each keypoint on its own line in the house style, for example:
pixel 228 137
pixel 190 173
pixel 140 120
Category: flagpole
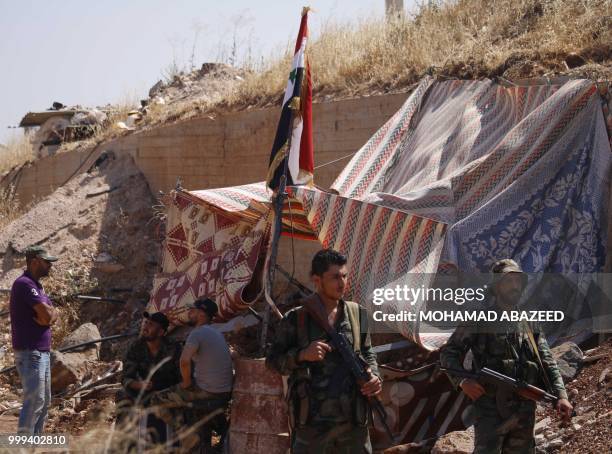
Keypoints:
pixel 280 197
pixel 279 201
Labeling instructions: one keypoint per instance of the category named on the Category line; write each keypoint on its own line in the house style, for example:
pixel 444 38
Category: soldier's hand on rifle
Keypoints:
pixel 316 351
pixel 472 388
pixel 372 387
pixel 564 408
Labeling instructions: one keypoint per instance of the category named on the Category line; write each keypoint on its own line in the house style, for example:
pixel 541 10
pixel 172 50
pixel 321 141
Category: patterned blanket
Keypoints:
pixel 208 252
pixel 420 404
pixel 517 172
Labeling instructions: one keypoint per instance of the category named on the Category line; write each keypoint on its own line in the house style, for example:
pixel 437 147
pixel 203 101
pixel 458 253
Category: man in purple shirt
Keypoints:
pixel 32 315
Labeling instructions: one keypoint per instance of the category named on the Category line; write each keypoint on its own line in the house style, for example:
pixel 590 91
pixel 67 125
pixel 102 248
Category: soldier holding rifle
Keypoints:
pixel 328 394
pixel 505 418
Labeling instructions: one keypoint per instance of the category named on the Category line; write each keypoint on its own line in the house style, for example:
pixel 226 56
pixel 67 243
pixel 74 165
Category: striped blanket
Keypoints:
pixel 420 404
pixel 518 172
pixel 515 171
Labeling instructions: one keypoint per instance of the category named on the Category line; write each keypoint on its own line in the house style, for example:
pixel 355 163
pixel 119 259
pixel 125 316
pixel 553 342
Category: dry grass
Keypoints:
pixel 18 151
pixel 119 111
pixel 463 38
pixel 62 287
pixel 10 208
pixel 466 39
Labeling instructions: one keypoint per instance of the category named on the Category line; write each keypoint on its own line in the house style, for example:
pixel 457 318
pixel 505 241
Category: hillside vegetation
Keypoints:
pixel 468 39
pixel 461 38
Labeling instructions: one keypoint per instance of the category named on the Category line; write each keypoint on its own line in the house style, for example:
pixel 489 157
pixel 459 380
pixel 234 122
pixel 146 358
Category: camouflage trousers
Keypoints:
pixel 175 404
pixel 331 439
pixel 495 434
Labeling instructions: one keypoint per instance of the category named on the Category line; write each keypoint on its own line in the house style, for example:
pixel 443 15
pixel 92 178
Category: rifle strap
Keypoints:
pixel 534 346
pixel 354 319
pixel 303 336
pixel 353 312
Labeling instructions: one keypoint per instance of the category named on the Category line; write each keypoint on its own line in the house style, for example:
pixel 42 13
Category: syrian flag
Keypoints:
pixel 297 103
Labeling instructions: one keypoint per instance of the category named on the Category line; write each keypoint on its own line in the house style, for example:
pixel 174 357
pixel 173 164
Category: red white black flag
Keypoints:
pixel 297 103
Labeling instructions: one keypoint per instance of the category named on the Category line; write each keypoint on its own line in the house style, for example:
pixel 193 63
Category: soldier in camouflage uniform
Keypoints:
pixel 150 365
pixel 328 411
pixel 504 422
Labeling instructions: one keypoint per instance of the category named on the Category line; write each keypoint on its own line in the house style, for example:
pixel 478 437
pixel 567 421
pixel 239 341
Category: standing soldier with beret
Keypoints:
pixel 505 423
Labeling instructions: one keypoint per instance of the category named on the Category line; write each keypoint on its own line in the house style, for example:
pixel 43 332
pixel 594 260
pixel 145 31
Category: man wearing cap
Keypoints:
pixel 150 365
pixel 206 347
pixel 504 423
pixel 32 315
pixel 210 381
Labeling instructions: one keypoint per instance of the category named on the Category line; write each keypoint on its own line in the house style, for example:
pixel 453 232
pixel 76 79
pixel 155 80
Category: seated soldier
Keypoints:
pixel 150 365
pixel 210 388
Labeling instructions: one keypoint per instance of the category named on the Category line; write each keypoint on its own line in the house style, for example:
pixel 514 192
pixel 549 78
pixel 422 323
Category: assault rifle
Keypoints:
pixel 357 366
pixel 486 375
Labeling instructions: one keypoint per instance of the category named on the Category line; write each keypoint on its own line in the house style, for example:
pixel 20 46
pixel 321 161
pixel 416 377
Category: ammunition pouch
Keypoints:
pixel 532 373
pixel 298 400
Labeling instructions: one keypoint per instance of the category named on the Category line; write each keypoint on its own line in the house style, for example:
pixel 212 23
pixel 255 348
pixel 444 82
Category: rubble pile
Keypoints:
pixel 185 94
pixel 61 124
pixel 83 388
pixel 591 394
pixel 101 226
pixel 208 83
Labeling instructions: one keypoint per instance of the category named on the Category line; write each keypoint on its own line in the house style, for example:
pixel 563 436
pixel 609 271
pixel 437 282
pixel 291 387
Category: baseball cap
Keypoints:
pixel 39 251
pixel 158 317
pixel 207 305
pixel 506 266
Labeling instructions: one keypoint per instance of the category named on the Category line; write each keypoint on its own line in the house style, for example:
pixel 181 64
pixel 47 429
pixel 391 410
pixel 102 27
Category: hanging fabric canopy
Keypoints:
pixel 464 174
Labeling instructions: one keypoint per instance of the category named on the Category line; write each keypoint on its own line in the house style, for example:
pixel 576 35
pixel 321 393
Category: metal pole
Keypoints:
pixel 99 298
pixel 83 344
pixel 279 200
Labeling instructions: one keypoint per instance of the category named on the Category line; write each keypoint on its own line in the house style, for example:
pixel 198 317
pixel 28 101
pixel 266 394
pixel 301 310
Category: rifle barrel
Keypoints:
pixel 492 376
pixel 377 405
pixel 74 347
pixel 100 298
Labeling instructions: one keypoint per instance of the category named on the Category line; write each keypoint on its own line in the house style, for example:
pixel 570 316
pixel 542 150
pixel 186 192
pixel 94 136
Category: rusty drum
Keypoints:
pixel 259 411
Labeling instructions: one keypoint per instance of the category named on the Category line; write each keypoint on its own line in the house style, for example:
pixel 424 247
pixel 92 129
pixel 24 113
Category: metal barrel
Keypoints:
pixel 259 420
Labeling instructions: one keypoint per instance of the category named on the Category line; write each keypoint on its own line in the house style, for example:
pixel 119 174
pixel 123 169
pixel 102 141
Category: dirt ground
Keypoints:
pixel 104 230
pixel 590 431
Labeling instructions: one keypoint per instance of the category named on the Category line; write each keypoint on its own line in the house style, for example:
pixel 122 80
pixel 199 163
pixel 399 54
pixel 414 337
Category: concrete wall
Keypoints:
pixel 228 150
pixel 38 179
pixel 234 149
